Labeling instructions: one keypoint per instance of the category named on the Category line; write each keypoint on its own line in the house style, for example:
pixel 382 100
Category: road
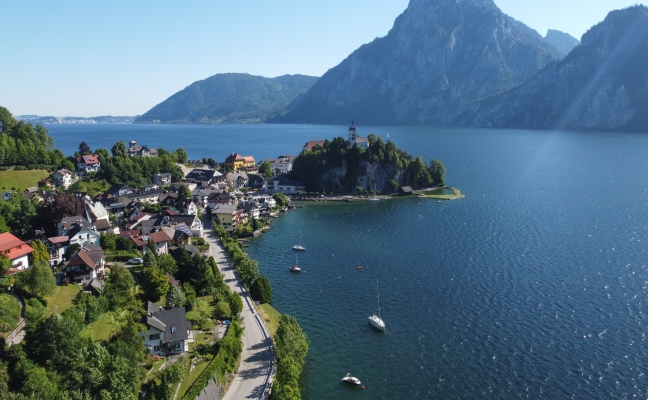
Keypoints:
pixel 253 379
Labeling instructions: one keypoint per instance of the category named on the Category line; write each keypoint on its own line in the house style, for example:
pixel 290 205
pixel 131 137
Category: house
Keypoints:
pixel 63 178
pixel 67 224
pixel 180 234
pixel 229 216
pixel 199 175
pixel 237 179
pixel 310 145
pixel 142 196
pixel 167 331
pixel 405 190
pixel 136 150
pixel 282 164
pixel 56 246
pixel 162 179
pixel 285 185
pixel 237 162
pixel 162 242
pixel 85 265
pixel 6 195
pixel 87 164
pixel 264 201
pixel 194 223
pixel 256 182
pixel 16 251
pixel 187 206
pixel 360 141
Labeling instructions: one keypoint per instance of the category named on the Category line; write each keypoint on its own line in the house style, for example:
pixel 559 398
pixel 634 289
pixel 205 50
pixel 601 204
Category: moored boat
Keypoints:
pixel 376 320
pixel 352 380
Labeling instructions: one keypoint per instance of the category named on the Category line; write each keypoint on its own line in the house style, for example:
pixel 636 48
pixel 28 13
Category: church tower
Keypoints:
pixel 352 134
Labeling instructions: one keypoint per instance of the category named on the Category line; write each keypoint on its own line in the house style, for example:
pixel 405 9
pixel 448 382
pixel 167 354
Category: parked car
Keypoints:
pixel 135 261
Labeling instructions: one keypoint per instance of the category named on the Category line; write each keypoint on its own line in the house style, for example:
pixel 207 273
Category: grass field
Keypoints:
pixel 9 312
pixel 270 316
pixel 107 325
pixel 191 378
pixel 61 299
pixel 21 180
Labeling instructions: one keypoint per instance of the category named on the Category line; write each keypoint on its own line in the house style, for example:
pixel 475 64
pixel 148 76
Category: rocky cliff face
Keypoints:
pixel 562 41
pixel 372 176
pixel 601 85
pixel 439 56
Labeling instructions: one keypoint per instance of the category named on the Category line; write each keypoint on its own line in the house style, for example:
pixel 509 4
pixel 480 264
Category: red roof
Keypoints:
pixel 91 159
pixel 312 143
pixel 59 239
pixel 12 247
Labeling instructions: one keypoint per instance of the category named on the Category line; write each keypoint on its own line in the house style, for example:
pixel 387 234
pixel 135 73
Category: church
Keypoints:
pixel 355 139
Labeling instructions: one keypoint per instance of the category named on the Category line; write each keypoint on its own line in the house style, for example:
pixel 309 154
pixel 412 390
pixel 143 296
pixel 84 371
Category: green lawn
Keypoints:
pixel 61 299
pixel 21 180
pixel 107 325
pixel 9 312
pixel 270 316
pixel 191 378
pixel 204 305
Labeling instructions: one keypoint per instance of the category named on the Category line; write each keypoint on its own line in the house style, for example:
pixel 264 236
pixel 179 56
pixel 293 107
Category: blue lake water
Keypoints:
pixel 533 286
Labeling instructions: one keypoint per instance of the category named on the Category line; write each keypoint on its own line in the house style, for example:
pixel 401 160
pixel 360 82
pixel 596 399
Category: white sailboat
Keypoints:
pixel 299 247
pixel 376 320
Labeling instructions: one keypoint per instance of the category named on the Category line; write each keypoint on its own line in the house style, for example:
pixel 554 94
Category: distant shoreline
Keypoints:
pixel 422 194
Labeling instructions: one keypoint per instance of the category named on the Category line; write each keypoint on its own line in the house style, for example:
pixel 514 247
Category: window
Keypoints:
pixel 173 329
pixel 156 348
pixel 155 336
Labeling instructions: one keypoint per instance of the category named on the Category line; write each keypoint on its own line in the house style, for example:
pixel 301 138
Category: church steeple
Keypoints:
pixel 352 134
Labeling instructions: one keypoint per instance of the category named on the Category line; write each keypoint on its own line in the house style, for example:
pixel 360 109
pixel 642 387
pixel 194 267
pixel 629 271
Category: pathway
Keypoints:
pixel 254 376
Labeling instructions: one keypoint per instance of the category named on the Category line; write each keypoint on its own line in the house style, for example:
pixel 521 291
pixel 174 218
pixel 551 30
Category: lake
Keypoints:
pixel 533 286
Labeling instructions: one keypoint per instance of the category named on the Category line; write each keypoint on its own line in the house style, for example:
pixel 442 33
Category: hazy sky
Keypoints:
pixel 90 58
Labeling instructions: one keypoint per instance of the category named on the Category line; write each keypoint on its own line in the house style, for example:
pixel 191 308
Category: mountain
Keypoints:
pixel 563 42
pixel 601 85
pixel 439 56
pixel 229 98
pixel 104 119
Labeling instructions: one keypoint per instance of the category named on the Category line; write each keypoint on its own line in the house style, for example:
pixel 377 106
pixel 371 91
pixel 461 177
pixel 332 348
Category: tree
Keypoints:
pixel 154 282
pixel 291 340
pixel 184 193
pixel 437 171
pixel 5 264
pixel 40 252
pixel 281 199
pixel 181 155
pixel 119 287
pixel 265 169
pixel 235 303
pixel 119 150
pixel 84 149
pixel 175 297
pixel 108 241
pixel 38 280
pixel 167 264
pixel 261 290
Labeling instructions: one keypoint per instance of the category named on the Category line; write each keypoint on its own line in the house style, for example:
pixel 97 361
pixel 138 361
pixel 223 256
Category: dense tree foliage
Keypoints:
pixel 19 214
pixel 261 290
pixel 291 346
pixel 265 169
pixel 119 288
pixel 37 280
pixel 24 144
pixel 312 167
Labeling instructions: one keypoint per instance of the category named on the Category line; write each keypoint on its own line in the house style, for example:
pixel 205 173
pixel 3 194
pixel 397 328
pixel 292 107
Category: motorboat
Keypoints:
pixel 295 268
pixel 352 380
pixel 376 320
pixel 299 247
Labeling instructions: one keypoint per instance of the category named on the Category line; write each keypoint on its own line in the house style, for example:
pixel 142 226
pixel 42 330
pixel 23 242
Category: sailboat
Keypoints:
pixel 376 320
pixel 295 268
pixel 299 247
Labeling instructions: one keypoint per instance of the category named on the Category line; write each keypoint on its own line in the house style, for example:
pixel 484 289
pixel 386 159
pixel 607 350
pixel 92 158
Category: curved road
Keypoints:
pixel 254 376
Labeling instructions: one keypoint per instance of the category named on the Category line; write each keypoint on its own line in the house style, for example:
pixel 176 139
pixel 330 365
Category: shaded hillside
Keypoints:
pixel 229 98
pixel 439 56
pixel 601 85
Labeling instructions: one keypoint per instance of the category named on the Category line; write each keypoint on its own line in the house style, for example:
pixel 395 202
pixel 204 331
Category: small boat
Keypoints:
pixel 376 320
pixel 295 268
pixel 359 267
pixel 351 380
pixel 299 247
pixel 374 199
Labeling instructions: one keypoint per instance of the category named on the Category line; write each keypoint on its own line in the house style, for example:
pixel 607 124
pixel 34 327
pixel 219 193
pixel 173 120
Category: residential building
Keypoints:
pixel 285 185
pixel 85 265
pixel 229 216
pixel 87 164
pixel 63 177
pixel 167 331
pixel 136 150
pixel 237 179
pixel 282 164
pixel 237 162
pixel 312 143
pixel 204 177
pixel 16 251
pixel 160 238
pixel 162 179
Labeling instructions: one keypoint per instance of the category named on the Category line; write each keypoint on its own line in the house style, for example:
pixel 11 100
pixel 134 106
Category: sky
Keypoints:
pixel 92 58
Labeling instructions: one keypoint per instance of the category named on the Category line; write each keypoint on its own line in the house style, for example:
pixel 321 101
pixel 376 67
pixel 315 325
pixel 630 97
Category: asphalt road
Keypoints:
pixel 254 376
